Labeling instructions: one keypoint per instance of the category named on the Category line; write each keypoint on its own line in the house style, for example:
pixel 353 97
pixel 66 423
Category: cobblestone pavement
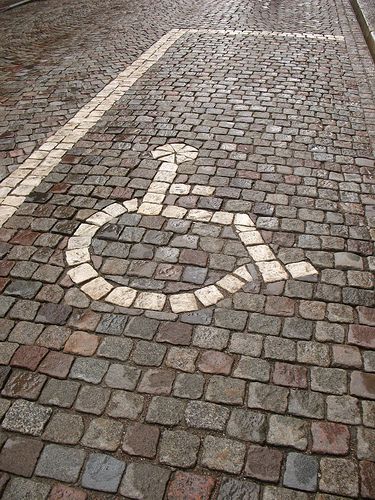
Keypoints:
pixel 187 306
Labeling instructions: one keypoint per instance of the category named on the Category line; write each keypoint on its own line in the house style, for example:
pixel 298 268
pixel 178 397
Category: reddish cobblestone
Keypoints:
pixel 366 315
pixel 196 257
pixel 3 283
pixel 330 438
pixel 188 486
pixel 363 385
pixel 346 356
pixel 263 463
pixel 290 375
pixel 23 384
pixel 215 362
pixel 28 356
pixel 280 306
pixel 175 333
pixel 82 343
pixel 19 455
pixel 63 492
pixel 157 382
pixel 367 471
pixel 141 440
pixel 5 267
pixel 364 336
pixel 26 237
pixel 56 364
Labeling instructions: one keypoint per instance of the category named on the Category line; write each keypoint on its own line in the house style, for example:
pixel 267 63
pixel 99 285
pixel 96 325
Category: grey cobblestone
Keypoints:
pixel 165 411
pixel 89 370
pixel 233 488
pixel 26 417
pixel 301 472
pixel 92 399
pixel 102 473
pixel 179 448
pixel 22 488
pixel 247 425
pixel 61 463
pixel 223 454
pixel 206 415
pixel 225 390
pixel 143 480
pixel 103 434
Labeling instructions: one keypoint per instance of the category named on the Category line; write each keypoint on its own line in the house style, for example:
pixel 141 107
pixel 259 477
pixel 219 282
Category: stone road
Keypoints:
pixel 187 274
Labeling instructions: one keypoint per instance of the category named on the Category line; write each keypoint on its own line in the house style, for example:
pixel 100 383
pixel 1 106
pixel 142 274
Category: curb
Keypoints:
pixel 14 5
pixel 363 17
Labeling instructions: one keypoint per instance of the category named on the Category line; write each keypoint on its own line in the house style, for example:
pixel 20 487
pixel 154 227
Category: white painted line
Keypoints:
pixel 267 34
pixel 21 182
pixel 40 163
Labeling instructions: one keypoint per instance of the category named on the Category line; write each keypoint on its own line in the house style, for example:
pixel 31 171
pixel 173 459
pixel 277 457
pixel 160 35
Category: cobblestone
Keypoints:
pixel 188 485
pixel 59 392
pixel 205 415
pixel 89 370
pixel 102 473
pixel 165 411
pixel 301 472
pixel 61 463
pixel 62 491
pixel 103 434
pixel 225 390
pixel 64 428
pixel 141 440
pixel 263 463
pixel 142 480
pixel 185 233
pixel 26 417
pixel 288 431
pixel 247 426
pixel 19 487
pixel 223 454
pixel 233 488
pixel 19 456
pixel 179 448
pixel 339 476
pixel 367 471
pixel 24 385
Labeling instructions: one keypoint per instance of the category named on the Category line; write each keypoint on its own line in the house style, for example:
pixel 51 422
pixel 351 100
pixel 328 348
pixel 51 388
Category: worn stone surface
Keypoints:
pixel 103 434
pixel 189 486
pixel 339 476
pixel 330 438
pixel 62 492
pixel 142 480
pixel 24 488
pixel 102 473
pixel 186 245
pixel 247 425
pixel 60 462
pixel 26 417
pixel 263 463
pixel 179 448
pixel 19 456
pixel 24 384
pixel 367 470
pixel 288 431
pixel 301 472
pixel 64 428
pixel 233 488
pixel 141 440
pixel 223 454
